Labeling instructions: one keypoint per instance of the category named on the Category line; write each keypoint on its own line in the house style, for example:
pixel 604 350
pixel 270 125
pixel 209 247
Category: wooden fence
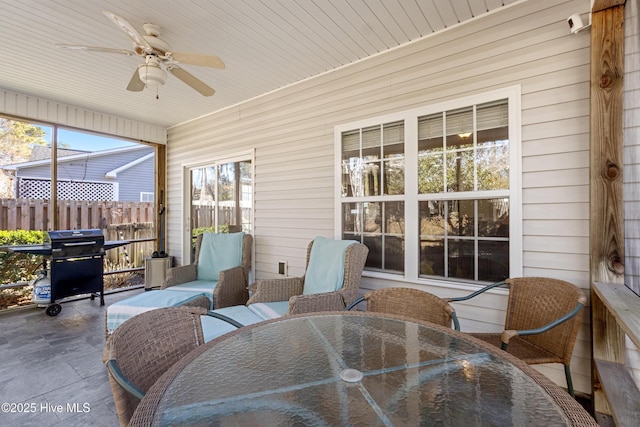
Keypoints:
pixel 117 220
pixel 33 214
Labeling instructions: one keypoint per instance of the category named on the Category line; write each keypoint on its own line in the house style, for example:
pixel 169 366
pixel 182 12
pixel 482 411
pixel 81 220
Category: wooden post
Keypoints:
pixel 606 228
pixel 161 185
pixel 53 196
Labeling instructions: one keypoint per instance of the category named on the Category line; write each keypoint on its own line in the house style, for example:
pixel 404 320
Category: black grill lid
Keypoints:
pixel 74 242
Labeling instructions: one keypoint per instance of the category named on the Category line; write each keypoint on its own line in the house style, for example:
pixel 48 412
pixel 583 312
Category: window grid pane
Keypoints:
pixel 457 238
pixel 380 226
pixel 373 161
pixel 461 236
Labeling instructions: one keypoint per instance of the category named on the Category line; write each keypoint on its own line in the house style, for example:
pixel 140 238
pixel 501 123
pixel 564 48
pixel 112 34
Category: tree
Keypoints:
pixel 16 142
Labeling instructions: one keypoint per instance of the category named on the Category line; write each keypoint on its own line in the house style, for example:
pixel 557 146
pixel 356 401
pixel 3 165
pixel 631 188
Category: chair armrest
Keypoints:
pixel 224 318
pixel 476 293
pixel 123 381
pixel 231 288
pixel 252 287
pixel 270 290
pixel 326 301
pixel 456 322
pixel 508 334
pixel 182 274
pixel 354 304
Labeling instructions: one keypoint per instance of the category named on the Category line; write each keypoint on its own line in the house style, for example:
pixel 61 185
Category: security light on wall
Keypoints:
pixel 575 23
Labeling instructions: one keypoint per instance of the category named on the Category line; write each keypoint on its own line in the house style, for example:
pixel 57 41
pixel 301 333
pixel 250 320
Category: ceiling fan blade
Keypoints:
pixel 191 80
pixel 135 84
pixel 129 30
pixel 95 49
pixel 196 59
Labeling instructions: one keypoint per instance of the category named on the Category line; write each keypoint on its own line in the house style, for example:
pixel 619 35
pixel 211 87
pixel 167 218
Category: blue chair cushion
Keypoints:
pixel 119 312
pixel 218 252
pixel 203 286
pixel 325 272
pixel 213 327
pixel 270 310
pixel 254 313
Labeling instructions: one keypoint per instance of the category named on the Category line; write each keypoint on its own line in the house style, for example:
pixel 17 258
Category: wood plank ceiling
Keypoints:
pixel 265 44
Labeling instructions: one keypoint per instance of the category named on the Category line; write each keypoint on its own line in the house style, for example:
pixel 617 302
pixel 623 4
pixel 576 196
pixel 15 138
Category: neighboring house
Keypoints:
pixel 122 174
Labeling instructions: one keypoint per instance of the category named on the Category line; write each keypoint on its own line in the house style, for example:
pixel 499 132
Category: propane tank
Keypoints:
pixel 42 289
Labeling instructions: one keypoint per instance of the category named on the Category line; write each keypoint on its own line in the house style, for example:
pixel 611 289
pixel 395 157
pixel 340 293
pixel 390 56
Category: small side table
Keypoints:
pixel 155 271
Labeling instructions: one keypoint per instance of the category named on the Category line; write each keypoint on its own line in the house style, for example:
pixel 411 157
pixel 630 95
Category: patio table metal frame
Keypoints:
pixel 354 386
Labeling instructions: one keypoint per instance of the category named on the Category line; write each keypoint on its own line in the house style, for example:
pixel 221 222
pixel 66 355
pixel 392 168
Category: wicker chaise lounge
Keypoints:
pixel 227 286
pixel 217 278
pixel 302 297
pixel 330 283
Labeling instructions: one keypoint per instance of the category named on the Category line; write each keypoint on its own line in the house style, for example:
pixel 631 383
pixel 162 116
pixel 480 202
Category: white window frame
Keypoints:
pixel 147 196
pixel 186 192
pixel 411 196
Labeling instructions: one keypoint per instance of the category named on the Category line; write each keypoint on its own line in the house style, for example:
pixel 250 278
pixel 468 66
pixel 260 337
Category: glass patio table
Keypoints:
pixel 354 368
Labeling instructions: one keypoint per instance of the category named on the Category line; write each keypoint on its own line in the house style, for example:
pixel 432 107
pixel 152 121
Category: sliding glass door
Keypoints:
pixel 221 197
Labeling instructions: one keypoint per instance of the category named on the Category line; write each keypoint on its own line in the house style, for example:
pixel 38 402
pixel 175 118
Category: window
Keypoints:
pixel 431 192
pixel 146 196
pixel 373 168
pixel 221 196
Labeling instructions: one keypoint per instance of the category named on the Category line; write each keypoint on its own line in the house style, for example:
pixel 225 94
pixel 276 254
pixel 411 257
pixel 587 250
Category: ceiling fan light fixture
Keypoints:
pixel 152 75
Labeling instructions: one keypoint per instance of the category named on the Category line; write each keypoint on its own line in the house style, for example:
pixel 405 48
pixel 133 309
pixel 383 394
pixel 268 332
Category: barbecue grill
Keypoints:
pixel 76 265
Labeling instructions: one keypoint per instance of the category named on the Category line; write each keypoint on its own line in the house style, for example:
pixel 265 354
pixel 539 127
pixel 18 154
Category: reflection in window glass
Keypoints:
pixel 373 161
pixel 221 197
pixel 473 157
pixel 460 171
pixel 450 231
pixel 380 226
pixel 394 176
pixel 476 150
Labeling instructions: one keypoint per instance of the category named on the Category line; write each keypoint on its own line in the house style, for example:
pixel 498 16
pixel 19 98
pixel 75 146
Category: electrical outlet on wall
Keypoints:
pixel 282 267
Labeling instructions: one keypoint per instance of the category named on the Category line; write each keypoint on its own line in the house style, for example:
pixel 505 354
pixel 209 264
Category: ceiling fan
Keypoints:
pixel 158 58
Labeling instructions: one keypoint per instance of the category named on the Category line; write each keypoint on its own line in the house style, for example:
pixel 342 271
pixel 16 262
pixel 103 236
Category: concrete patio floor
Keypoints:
pixel 51 370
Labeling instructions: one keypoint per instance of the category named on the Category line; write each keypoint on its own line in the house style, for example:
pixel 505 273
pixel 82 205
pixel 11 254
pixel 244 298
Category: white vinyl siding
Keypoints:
pixel 631 186
pixel 527 44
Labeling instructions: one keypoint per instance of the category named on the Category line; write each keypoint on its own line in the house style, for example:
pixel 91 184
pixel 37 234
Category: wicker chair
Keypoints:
pixel 291 288
pixel 412 303
pixel 144 347
pixel 542 321
pixel 232 284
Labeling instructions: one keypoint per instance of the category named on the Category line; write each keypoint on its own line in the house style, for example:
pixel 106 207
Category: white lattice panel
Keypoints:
pixel 29 188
